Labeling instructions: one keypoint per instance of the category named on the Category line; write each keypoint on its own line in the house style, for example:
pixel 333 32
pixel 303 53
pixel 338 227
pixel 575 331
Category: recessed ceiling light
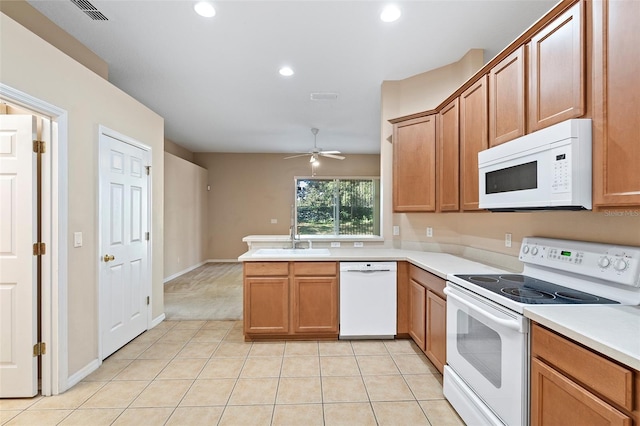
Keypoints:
pixel 286 71
pixel 390 13
pixel 204 8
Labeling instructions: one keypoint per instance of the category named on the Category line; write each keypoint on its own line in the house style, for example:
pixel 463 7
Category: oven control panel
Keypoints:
pixel 620 264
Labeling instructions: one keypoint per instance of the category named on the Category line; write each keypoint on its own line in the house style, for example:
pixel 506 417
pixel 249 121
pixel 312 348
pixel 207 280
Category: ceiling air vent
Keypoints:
pixel 90 10
pixel 324 96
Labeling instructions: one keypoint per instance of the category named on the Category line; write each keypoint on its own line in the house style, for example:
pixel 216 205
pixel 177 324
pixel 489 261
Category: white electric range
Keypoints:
pixel 487 376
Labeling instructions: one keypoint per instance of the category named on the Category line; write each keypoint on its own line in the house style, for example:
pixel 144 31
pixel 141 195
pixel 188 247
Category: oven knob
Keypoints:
pixel 534 251
pixel 604 262
pixel 620 265
pixel 525 249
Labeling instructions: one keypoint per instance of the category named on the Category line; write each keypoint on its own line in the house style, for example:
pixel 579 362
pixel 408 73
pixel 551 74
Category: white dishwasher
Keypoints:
pixel 368 300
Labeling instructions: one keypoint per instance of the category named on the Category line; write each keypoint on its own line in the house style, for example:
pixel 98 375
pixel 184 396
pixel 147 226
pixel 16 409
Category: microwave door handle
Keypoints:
pixel 510 324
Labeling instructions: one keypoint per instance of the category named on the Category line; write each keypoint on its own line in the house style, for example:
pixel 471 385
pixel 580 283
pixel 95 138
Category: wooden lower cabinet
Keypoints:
pixel 315 305
pixel 436 330
pixel 290 300
pixel 266 305
pixel 573 385
pixel 417 313
pixel 427 314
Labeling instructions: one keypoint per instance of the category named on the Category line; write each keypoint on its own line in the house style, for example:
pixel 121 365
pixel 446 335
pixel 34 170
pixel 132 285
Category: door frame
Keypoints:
pixel 105 131
pixel 54 271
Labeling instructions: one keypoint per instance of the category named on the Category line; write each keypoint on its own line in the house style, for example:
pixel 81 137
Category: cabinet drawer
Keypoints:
pixel 428 280
pixel 605 377
pixel 266 268
pixel 315 268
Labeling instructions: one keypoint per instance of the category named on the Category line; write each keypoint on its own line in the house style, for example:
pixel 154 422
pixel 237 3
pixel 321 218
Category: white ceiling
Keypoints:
pixel 216 81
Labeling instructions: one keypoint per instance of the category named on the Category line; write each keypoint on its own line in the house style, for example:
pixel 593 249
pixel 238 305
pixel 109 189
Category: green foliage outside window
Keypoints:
pixel 337 206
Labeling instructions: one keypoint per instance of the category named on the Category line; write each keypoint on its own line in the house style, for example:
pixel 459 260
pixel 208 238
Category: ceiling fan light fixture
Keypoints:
pixel 205 9
pixel 390 13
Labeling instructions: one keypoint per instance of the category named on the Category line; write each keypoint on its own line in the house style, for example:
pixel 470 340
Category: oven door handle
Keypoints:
pixel 510 324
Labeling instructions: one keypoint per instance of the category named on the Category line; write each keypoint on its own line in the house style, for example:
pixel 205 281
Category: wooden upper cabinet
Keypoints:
pixel 616 108
pixel 507 88
pixel 449 158
pixel 414 165
pixel 557 70
pixel 474 129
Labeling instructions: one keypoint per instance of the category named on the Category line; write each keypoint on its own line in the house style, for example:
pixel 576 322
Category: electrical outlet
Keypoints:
pixel 507 240
pixel 335 244
pixel 358 244
pixel 274 221
pixel 396 230
pixel 429 232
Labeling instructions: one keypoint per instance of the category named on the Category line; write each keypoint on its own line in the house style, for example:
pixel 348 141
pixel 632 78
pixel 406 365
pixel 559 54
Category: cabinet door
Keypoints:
pixel 506 98
pixel 557 70
pixel 266 305
pixel 449 158
pixel 315 305
pixel 557 400
pixel 474 128
pixel 616 93
pixel 436 330
pixel 414 165
pixel 417 313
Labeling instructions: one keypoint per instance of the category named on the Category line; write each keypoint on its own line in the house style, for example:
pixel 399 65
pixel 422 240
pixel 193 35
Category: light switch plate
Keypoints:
pixel 358 244
pixel 507 240
pixel 429 231
pixel 396 230
pixel 77 239
pixel 274 221
pixel 335 244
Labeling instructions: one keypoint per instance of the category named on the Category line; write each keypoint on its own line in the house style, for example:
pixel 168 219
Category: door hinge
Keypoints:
pixel 147 300
pixel 39 249
pixel 39 348
pixel 146 236
pixel 39 147
pixel 148 170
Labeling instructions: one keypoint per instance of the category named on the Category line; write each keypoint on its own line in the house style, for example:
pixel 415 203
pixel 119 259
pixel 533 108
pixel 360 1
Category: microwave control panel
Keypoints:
pixel 561 159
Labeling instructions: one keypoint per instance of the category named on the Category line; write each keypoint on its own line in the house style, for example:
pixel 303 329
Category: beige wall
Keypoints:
pixel 482 230
pixel 185 214
pixel 33 66
pixel 248 190
pixel 177 150
pixel 29 17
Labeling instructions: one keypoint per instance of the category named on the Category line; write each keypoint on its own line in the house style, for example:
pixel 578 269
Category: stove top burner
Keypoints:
pixel 482 279
pixel 527 293
pixel 528 290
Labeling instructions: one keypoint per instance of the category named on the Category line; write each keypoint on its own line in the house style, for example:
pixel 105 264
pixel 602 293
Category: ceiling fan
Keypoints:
pixel 316 152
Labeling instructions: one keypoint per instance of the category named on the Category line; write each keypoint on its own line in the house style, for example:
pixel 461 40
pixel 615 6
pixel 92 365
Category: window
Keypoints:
pixel 338 206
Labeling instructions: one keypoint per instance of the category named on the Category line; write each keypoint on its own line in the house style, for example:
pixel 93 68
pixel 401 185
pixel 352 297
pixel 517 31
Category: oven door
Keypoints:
pixel 487 348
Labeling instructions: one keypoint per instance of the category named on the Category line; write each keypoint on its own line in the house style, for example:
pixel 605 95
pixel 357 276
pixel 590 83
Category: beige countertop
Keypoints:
pixel 439 264
pixel 612 330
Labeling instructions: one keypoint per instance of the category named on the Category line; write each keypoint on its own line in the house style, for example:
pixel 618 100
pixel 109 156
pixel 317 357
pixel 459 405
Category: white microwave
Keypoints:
pixel 546 170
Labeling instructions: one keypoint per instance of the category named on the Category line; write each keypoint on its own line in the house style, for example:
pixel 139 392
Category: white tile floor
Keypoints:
pixel 203 373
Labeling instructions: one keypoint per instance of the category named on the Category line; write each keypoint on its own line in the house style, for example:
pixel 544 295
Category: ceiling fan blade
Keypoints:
pixel 329 152
pixel 337 157
pixel 295 156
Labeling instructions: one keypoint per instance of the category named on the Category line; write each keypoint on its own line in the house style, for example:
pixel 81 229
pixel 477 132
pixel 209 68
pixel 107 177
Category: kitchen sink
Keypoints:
pixel 287 252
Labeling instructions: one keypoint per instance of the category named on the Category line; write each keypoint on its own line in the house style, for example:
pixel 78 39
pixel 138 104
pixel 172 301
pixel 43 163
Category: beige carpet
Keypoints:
pixel 210 292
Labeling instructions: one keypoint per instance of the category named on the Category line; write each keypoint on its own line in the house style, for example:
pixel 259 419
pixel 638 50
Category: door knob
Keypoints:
pixel 108 257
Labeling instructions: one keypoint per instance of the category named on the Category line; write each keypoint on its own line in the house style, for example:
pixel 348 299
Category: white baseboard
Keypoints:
pixel 157 320
pixel 84 372
pixel 184 271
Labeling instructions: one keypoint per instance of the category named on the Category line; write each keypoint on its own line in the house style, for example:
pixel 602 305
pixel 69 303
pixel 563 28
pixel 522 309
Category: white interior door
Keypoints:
pixel 124 276
pixel 18 265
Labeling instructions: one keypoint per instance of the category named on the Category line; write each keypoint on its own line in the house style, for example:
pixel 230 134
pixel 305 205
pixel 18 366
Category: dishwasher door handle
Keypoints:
pixel 368 272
